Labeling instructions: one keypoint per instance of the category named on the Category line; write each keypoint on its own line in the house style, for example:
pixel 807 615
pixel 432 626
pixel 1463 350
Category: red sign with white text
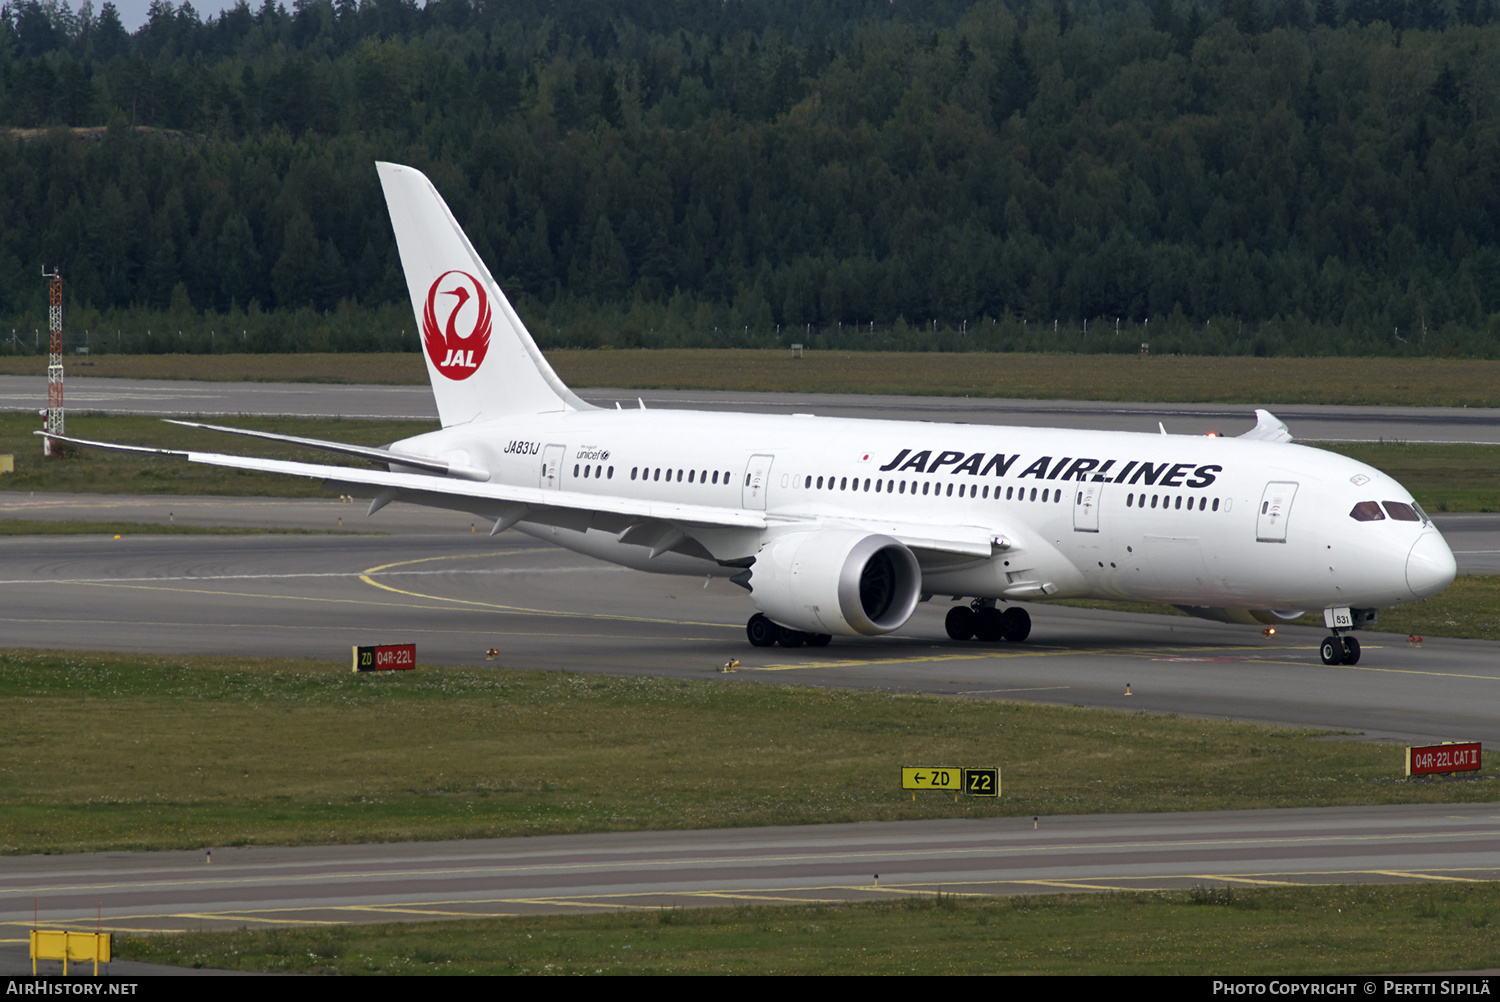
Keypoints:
pixel 1462 757
pixel 385 657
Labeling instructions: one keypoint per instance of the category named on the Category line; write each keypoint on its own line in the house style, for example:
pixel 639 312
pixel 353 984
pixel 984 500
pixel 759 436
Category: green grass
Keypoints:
pixel 1170 378
pixel 1362 930
pixel 1443 478
pixel 219 751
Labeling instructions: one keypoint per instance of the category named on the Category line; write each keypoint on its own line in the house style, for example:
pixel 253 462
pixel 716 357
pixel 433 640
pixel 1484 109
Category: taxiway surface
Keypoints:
pixel 483 878
pixel 458 594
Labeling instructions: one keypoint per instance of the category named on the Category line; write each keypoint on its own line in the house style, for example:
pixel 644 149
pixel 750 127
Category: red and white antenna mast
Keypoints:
pixel 54 359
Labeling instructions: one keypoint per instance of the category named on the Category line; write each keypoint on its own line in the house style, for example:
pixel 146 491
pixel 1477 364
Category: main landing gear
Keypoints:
pixel 982 621
pixel 764 633
pixel 1337 650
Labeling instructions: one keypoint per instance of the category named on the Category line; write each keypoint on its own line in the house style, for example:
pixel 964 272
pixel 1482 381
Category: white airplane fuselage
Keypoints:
pixel 839 526
pixel 1189 520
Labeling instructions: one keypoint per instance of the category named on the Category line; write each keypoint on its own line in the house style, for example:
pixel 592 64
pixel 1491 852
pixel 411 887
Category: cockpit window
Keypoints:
pixel 1366 511
pixel 1426 518
pixel 1401 512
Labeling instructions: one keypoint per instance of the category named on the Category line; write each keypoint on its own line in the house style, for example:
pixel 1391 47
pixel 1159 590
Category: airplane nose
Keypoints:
pixel 1430 566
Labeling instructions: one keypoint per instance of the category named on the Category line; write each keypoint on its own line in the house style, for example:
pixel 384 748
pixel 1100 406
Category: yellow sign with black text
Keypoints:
pixel 932 779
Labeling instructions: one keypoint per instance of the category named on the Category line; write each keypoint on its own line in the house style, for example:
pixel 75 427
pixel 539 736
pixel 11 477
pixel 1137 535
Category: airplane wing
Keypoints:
pixel 633 520
pixel 1268 428
pixel 506 504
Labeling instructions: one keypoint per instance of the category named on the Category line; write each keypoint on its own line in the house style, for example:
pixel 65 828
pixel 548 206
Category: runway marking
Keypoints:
pixel 670 862
pixel 1038 651
pixel 366 577
pixel 485 631
pixel 1253 881
pixel 1428 876
pixel 244 917
pixel 1034 688
pixel 631 900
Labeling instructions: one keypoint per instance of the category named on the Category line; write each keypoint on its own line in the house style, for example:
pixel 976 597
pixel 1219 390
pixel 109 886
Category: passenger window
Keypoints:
pixel 611 474
pixel 575 469
pixel 632 472
pixel 690 475
pixel 843 483
pixel 656 474
pixel 1401 512
pixel 1367 511
pixel 1216 504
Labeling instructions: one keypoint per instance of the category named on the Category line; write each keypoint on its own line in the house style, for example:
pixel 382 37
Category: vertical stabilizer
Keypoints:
pixel 480 358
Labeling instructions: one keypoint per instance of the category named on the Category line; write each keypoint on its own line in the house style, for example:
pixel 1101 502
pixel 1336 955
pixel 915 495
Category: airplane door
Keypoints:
pixel 1275 509
pixel 552 457
pixel 1086 507
pixel 757 477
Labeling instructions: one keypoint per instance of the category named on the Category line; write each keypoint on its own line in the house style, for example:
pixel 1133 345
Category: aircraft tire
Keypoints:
pixel 989 625
pixel 761 631
pixel 960 622
pixel 1017 624
pixel 790 638
pixel 819 639
pixel 1351 651
pixel 1332 651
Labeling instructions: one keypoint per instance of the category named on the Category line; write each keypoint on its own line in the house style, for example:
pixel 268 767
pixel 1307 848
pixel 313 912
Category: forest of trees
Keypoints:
pixel 1261 176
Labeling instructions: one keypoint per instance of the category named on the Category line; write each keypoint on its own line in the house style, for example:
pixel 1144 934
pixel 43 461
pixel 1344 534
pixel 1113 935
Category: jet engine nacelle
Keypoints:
pixel 838 582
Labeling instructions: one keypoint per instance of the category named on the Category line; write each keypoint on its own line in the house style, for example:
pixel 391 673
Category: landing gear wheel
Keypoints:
pixel 1351 651
pixel 818 639
pixel 989 625
pixel 790 638
pixel 1017 624
pixel 1332 651
pixel 761 631
pixel 960 622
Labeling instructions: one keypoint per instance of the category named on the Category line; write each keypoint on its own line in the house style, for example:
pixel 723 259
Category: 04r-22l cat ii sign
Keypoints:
pixel 839 527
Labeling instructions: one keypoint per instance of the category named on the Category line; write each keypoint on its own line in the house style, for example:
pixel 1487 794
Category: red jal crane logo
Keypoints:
pixel 457 346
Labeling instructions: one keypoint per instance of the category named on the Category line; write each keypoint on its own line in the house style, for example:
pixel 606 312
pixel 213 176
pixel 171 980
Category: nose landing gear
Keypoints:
pixel 1337 650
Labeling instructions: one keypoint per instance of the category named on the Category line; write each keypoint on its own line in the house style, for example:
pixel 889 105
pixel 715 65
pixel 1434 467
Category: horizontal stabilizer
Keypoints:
pixel 373 453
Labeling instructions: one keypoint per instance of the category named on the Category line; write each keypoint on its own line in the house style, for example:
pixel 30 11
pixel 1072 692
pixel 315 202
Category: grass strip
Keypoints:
pixel 105 751
pixel 1419 382
pixel 1358 930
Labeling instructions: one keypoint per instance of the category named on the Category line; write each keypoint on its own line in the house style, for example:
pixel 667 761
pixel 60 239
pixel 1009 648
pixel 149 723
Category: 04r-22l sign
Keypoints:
pixel 969 782
pixel 385 657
